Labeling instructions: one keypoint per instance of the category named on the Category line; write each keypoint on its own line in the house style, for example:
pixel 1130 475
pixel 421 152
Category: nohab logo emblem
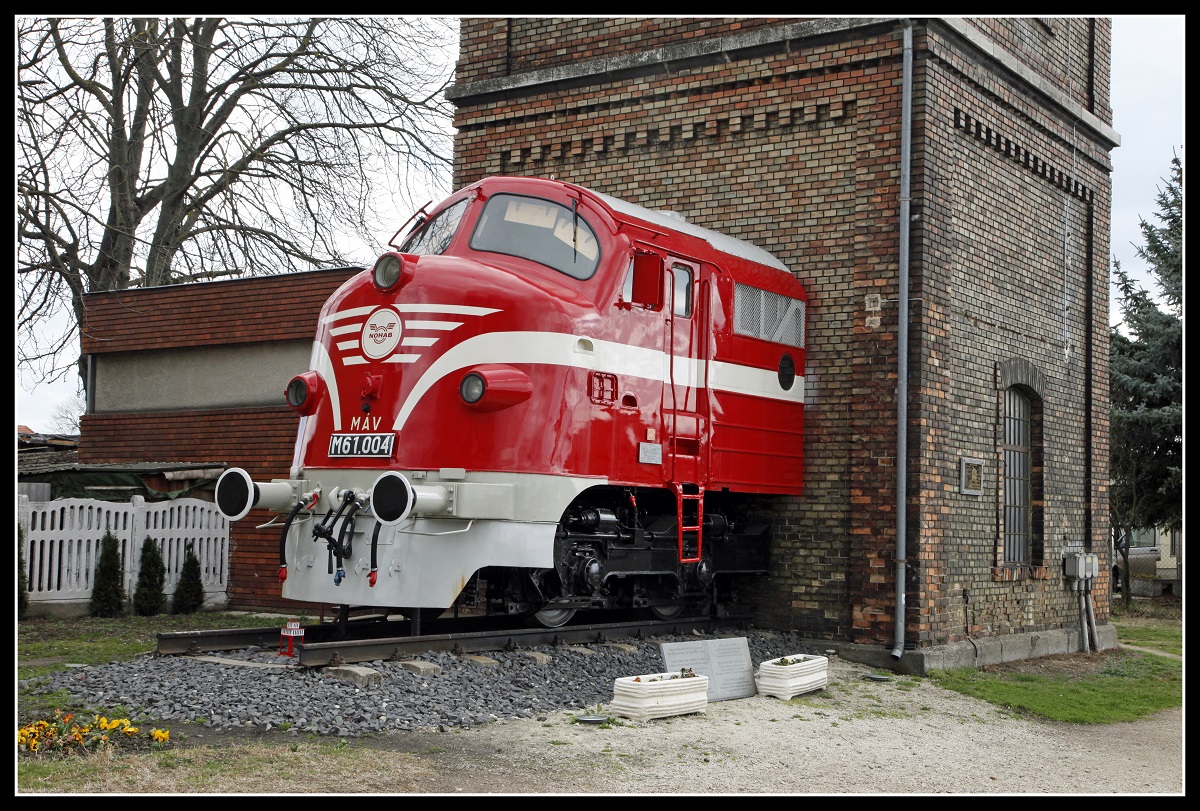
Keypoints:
pixel 381 333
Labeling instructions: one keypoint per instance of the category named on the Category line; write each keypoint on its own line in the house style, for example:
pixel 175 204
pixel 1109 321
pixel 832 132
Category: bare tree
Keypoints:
pixel 66 415
pixel 162 151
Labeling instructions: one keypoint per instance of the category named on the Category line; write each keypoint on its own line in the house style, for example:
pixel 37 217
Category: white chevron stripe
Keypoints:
pixel 562 349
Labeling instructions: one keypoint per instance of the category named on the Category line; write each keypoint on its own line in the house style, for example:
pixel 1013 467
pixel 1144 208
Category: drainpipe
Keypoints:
pixel 902 341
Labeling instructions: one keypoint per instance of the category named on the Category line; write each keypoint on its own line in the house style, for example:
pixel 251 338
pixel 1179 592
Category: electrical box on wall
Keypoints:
pixel 1081 566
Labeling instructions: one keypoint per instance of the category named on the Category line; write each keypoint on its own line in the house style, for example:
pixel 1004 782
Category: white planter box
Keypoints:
pixel 803 674
pixel 658 695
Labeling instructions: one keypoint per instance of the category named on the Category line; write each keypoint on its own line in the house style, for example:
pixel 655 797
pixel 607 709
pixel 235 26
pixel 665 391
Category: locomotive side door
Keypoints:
pixel 685 399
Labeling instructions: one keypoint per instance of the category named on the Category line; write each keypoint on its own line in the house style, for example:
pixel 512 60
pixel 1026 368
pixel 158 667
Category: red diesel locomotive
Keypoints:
pixel 545 400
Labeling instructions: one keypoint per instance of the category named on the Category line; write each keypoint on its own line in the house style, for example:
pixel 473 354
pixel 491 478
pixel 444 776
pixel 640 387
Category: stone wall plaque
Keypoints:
pixel 970 479
pixel 726 662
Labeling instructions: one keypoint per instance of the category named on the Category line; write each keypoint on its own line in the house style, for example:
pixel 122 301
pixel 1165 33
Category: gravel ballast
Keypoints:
pixel 377 696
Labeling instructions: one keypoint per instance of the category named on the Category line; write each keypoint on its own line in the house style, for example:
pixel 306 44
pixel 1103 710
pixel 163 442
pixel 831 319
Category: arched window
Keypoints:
pixel 1016 450
pixel 1021 457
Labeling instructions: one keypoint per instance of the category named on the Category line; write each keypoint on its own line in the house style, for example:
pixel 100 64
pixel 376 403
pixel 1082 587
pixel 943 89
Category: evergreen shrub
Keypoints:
pixel 148 597
pixel 108 594
pixel 189 593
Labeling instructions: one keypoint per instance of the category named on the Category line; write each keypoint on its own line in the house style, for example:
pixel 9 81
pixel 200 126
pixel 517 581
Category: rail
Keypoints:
pixel 371 641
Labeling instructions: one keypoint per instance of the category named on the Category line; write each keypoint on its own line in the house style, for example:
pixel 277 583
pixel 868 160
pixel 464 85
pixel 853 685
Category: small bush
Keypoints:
pixel 148 597
pixel 22 583
pixel 108 595
pixel 189 593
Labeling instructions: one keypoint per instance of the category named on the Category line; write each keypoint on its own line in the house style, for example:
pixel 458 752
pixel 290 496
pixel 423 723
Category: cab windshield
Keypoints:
pixel 536 229
pixel 435 235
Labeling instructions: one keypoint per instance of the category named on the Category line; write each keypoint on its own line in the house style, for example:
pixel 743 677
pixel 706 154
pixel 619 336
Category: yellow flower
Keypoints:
pixel 130 731
pixel 160 735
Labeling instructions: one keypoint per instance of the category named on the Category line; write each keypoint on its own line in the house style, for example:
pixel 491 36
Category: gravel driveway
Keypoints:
pixel 857 736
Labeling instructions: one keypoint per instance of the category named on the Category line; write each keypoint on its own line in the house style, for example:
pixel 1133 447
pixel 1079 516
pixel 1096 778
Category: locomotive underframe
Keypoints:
pixel 619 548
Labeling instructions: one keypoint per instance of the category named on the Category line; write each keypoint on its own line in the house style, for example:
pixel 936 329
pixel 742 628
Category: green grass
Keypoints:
pixel 1168 641
pixel 1131 686
pixel 1153 624
pixel 1127 686
pixel 96 640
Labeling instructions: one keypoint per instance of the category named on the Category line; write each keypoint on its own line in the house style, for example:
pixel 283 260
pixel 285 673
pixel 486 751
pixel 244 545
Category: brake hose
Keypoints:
pixel 300 505
pixel 374 575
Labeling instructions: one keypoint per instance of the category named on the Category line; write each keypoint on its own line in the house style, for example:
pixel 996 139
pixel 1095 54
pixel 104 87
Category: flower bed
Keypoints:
pixel 63 733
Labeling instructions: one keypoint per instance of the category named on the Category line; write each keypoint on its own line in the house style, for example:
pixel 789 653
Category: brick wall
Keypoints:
pixel 787 133
pixel 503 46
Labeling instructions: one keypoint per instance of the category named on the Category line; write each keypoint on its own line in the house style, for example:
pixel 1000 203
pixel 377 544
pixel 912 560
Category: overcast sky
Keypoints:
pixel 1147 99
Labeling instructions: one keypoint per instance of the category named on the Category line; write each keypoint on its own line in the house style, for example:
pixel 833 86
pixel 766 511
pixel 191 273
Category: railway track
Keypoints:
pixel 328 644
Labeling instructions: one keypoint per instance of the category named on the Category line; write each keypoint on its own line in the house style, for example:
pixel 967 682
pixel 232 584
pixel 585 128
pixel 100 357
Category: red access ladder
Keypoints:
pixel 686 553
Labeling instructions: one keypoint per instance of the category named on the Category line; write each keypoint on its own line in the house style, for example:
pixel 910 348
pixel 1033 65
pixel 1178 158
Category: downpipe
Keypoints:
pixel 902 347
pixel 1083 621
pixel 1091 615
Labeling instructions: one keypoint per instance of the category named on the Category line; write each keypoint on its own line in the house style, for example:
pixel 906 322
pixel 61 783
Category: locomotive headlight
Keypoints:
pixel 472 388
pixel 388 271
pixel 494 386
pixel 304 393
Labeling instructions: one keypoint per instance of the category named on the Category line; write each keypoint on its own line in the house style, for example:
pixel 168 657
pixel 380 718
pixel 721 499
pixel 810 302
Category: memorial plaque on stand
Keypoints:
pixel 726 662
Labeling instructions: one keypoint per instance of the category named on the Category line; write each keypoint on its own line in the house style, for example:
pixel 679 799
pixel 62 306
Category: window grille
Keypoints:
pixel 1018 497
pixel 769 316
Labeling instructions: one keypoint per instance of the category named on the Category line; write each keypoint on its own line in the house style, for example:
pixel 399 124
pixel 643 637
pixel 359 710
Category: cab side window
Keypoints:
pixel 682 294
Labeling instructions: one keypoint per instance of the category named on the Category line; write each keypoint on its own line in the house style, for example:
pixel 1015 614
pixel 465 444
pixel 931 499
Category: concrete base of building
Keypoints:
pixel 973 653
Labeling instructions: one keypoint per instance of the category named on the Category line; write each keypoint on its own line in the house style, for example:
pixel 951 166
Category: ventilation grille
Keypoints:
pixel 769 316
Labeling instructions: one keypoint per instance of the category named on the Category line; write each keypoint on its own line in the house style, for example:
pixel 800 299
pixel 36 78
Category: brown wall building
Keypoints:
pixel 196 373
pixel 978 147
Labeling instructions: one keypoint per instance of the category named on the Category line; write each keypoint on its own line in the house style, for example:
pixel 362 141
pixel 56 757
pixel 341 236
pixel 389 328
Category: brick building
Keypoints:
pixel 950 171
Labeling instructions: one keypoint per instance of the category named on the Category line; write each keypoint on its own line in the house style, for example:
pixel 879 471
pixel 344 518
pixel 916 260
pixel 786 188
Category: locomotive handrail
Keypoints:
pixel 470 522
pixel 274 522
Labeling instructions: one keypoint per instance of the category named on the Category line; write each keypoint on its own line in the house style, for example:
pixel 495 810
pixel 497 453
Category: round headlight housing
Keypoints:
pixel 472 388
pixel 388 271
pixel 494 386
pixel 304 393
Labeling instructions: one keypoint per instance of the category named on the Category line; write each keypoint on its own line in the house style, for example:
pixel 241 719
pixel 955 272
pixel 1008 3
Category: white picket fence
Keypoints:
pixel 63 541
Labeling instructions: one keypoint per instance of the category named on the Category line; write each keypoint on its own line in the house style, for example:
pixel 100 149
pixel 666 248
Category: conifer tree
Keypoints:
pixel 1146 370
pixel 108 593
pixel 189 593
pixel 148 597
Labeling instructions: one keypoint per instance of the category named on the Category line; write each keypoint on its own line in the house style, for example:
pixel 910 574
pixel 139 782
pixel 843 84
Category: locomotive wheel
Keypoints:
pixel 554 617
pixel 668 612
